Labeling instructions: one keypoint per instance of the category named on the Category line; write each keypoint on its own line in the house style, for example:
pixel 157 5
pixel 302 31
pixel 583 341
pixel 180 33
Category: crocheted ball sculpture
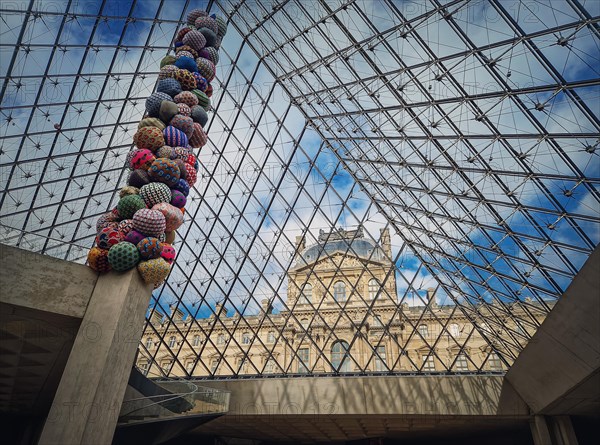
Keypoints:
pixel 123 256
pixel 138 178
pixel 178 199
pixel 134 237
pixel 167 60
pixel 184 110
pixel 209 90
pixel 155 193
pixel 152 122
pixel 129 190
pixel 182 186
pixel 149 248
pixel 153 103
pixel 198 138
pixel 188 98
pixel 183 123
pixel 186 49
pixel 129 205
pixel 210 53
pixel 170 237
pixel 106 220
pixel 182 32
pixel 186 63
pixel 191 159
pixel 165 171
pixel 195 39
pixel 125 227
pixel 167 111
pixel 168 252
pixel 192 174
pixel 221 26
pixel 207 22
pixel 186 79
pixel 181 166
pixel 168 71
pixel 206 68
pixel 209 35
pixel 165 152
pixel 97 259
pixel 169 86
pixel 201 83
pixel 199 115
pixel 175 137
pixel 150 222
pixel 172 215
pixel 142 159
pixel 108 237
pixel 194 14
pixel 184 54
pixel 154 270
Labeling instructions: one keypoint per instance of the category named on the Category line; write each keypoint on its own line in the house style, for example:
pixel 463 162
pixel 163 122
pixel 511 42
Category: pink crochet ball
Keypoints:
pixel 171 214
pixel 192 175
pixel 165 171
pixel 142 159
pixel 108 237
pixel 184 109
pixel 168 253
pixel 134 237
pixel 182 32
pixel 186 97
pixel 150 222
pixel 191 159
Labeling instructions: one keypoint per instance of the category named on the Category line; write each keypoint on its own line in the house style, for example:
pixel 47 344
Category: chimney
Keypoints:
pixel 267 307
pixel 386 242
pixel 220 309
pixel 431 297
pixel 176 314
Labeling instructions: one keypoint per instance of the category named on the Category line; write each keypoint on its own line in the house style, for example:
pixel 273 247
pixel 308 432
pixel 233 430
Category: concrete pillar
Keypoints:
pixel 88 399
pixel 556 430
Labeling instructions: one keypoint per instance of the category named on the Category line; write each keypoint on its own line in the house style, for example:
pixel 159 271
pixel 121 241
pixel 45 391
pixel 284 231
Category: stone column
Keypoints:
pixel 88 399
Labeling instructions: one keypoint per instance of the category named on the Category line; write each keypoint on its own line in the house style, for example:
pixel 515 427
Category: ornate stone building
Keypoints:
pixel 343 315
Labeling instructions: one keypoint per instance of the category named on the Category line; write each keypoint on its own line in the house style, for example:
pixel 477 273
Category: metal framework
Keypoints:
pixel 467 128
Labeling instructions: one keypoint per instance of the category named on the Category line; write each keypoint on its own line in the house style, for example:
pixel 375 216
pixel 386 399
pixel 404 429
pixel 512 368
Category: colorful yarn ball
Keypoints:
pixel 167 60
pixel 129 205
pixel 168 110
pixel 192 174
pixel 209 90
pixel 201 83
pixel 123 256
pixel 106 220
pixel 149 137
pixel 203 100
pixel 182 186
pixel 155 193
pixel 154 270
pixel 210 53
pixel 168 71
pixel 194 14
pixel 199 138
pixel 182 32
pixel 186 49
pixel 128 190
pixel 153 102
pixel 199 115
pixel 165 152
pixel 181 165
pixel 108 237
pixel 209 35
pixel 195 39
pixel 186 79
pixel 125 227
pixel 186 63
pixel 191 159
pixel 188 98
pixel 151 122
pixel 150 222
pixel 97 259
pixel 169 237
pixel 134 237
pixel 175 137
pixel 180 153
pixel 165 171
pixel 207 22
pixel 169 86
pixel 162 237
pixel 168 252
pixel 184 110
pixel 183 54
pixel 173 216
pixel 221 26
pixel 138 178
pixel 178 199
pixel 149 248
pixel 183 123
pixel 142 159
pixel 206 68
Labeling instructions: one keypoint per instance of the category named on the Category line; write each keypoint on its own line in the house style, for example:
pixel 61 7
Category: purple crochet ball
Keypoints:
pixel 178 199
pixel 182 186
pixel 201 82
pixel 175 137
pixel 134 236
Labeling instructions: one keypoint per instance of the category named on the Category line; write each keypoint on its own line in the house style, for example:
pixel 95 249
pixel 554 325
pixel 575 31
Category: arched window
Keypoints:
pixel 221 339
pixel 172 341
pixel 196 341
pixel 340 356
pixel 339 291
pixel 454 330
pixel 373 288
pixel 148 343
pixel 306 296
pixel 246 338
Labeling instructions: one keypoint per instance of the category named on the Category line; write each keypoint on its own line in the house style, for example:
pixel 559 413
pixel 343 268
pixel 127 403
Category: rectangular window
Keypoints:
pixel 269 367
pixel 428 363
pixel 423 330
pixel 303 360
pixel 196 341
pixel 213 366
pixel 461 363
pixel 246 338
pixel 144 368
pixel 271 337
pixel 380 361
pixel 494 362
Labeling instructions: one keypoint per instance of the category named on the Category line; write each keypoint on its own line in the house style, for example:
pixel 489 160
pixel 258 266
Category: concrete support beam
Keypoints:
pixel 86 406
pixel 553 430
